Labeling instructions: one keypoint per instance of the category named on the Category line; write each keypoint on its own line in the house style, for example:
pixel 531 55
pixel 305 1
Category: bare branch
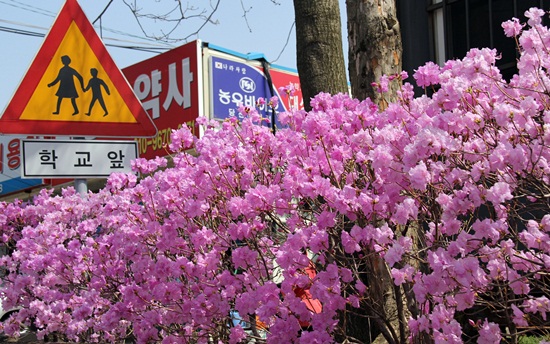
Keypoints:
pixel 102 12
pixel 174 16
pixel 286 43
pixel 245 12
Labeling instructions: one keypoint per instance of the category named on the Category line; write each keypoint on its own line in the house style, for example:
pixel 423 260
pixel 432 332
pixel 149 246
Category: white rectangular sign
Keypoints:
pixel 76 158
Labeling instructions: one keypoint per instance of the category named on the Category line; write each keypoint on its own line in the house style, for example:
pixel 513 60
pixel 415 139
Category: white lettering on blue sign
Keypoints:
pixel 225 97
pixel 247 85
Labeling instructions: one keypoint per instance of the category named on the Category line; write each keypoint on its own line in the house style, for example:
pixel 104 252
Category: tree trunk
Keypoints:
pixel 319 52
pixel 375 49
pixel 374 46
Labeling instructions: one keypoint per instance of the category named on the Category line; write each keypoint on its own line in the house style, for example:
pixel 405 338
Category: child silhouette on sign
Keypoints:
pixel 95 84
pixel 67 88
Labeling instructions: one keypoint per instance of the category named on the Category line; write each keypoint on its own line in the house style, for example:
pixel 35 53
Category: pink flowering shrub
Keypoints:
pixel 438 203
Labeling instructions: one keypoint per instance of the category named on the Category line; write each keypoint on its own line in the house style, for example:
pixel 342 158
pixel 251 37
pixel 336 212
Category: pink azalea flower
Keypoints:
pixel 420 176
pixel 499 193
pixel 489 333
pixel 519 317
pixel 427 75
pixel 274 102
pixel 535 16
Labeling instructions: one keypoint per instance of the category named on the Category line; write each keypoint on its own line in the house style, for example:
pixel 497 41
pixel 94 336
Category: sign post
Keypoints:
pixel 81 186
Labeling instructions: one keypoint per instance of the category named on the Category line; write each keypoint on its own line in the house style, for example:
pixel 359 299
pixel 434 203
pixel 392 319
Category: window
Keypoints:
pixel 439 36
pixel 459 25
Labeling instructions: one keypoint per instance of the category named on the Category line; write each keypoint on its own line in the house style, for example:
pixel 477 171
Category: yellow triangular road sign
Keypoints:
pixel 73 87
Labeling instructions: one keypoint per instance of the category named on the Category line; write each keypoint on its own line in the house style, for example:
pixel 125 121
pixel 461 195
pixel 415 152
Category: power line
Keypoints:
pixel 148 48
pixel 23 24
pixel 41 11
pixel 29 8
pixel 46 12
pixel 21 32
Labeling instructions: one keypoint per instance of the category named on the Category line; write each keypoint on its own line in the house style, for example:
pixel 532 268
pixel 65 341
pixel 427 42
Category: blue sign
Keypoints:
pixel 18 184
pixel 235 83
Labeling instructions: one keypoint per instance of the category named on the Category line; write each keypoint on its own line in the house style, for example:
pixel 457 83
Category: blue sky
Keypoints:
pixel 265 30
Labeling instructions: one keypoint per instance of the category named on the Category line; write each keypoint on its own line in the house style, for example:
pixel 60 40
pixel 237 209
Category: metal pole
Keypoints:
pixel 81 187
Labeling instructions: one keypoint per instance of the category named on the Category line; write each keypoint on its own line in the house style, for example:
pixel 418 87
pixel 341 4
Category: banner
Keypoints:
pixel 10 167
pixel 168 86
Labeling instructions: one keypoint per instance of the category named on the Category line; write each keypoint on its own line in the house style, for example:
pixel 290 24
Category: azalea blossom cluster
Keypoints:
pixel 439 203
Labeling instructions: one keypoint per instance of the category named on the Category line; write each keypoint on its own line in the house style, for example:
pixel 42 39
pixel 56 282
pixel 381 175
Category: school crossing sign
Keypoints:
pixel 74 88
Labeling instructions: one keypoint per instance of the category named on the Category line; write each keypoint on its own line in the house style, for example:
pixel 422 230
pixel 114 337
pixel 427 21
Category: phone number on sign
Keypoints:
pixel 160 141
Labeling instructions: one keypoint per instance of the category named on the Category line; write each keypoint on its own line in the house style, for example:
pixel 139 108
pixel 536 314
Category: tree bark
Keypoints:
pixel 319 52
pixel 374 46
pixel 374 50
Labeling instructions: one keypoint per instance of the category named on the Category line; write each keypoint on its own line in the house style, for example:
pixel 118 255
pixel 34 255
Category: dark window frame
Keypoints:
pixel 450 45
pixel 444 4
